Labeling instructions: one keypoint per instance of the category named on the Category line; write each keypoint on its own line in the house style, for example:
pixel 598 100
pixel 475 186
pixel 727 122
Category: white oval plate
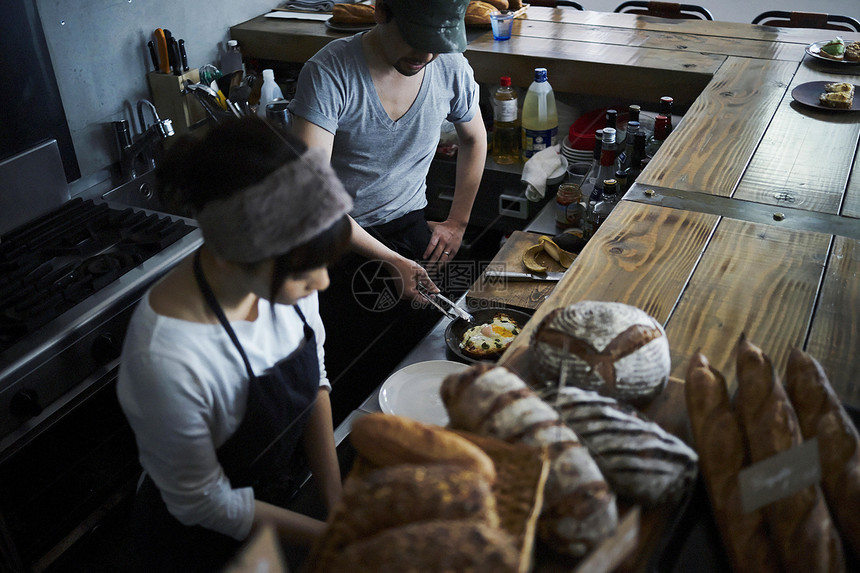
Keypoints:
pixel 413 391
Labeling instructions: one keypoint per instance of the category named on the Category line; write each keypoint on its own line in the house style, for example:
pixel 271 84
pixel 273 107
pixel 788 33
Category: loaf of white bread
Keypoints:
pixel 822 416
pixel 579 509
pixel 641 461
pixel 800 525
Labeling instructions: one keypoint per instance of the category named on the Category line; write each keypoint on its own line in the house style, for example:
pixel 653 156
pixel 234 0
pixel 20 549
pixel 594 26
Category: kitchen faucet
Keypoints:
pixel 144 148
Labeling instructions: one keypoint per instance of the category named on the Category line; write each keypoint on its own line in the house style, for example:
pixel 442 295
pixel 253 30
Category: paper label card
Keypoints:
pixel 780 476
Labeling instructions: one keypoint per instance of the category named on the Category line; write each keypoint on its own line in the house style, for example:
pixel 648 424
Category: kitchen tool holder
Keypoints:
pixel 171 102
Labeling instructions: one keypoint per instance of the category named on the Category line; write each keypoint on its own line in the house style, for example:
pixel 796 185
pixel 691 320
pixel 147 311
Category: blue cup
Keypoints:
pixel 502 23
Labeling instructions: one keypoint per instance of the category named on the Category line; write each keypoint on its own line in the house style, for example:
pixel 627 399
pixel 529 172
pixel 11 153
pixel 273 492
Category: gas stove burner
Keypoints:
pixel 59 260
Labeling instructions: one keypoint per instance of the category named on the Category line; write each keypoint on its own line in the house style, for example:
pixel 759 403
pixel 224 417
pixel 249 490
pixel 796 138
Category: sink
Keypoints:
pixel 139 192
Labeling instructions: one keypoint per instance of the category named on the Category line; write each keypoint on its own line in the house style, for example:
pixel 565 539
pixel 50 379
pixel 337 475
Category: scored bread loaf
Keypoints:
pixel 641 461
pixel 822 416
pixel 386 440
pixel 579 509
pixel 439 546
pixel 352 14
pixel 800 524
pixel 610 347
pixel 722 455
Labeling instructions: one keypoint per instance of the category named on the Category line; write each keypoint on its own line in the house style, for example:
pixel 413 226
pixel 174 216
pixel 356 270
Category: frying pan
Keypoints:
pixel 457 327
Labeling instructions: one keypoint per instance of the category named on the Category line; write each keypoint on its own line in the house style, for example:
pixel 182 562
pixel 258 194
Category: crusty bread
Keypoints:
pixel 432 546
pixel 641 461
pixel 352 14
pixel 478 14
pixel 610 347
pixel 722 455
pixel 394 496
pixel 387 440
pixel 822 416
pixel 800 524
pixel 498 4
pixel 579 509
pixel 852 52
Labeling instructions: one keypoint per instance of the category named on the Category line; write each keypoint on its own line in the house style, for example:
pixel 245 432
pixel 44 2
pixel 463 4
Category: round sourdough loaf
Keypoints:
pixel 609 347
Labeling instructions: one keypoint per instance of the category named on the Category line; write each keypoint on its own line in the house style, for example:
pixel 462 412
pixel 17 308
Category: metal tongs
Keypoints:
pixel 453 311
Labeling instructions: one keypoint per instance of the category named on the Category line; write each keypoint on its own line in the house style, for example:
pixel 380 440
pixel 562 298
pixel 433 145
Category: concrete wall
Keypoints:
pixel 98 49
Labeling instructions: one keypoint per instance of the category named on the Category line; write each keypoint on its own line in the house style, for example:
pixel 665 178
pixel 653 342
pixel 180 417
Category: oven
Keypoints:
pixel 69 281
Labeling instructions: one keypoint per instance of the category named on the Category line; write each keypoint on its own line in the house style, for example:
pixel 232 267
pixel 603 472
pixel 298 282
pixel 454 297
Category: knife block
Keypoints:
pixel 184 110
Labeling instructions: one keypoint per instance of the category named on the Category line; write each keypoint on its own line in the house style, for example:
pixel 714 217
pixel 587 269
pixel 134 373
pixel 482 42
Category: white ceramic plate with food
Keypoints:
pixel 413 391
pixel 814 50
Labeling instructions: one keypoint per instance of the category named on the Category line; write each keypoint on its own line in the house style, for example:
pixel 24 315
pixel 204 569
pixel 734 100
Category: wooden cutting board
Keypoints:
pixel 519 295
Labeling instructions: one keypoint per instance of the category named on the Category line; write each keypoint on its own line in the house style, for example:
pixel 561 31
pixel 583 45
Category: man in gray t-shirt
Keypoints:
pixel 376 101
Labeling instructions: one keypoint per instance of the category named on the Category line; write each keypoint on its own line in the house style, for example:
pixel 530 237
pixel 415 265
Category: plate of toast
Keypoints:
pixel 836 51
pixel 836 96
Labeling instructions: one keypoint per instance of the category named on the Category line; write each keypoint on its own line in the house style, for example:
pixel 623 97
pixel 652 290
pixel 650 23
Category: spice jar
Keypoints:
pixel 570 211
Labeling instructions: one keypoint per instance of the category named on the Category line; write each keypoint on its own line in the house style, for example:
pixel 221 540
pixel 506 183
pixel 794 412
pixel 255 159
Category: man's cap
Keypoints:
pixel 432 26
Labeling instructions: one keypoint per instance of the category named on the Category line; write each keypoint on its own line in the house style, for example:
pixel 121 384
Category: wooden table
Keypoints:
pixel 746 221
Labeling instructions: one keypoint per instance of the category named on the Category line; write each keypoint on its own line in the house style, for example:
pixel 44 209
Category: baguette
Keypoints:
pixel 722 455
pixel 387 440
pixel 352 14
pixel 579 509
pixel 822 416
pixel 801 527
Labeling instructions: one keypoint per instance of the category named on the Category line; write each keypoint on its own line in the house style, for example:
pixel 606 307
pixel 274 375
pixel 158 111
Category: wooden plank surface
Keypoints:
pixel 519 295
pixel 756 279
pixel 721 131
pixel 674 42
pixel 700 27
pixel 642 255
pixel 835 336
pixel 851 205
pixel 587 68
pixel 797 163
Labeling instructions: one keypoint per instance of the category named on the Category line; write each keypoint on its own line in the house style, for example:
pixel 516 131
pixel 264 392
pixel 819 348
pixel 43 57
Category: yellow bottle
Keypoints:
pixel 506 137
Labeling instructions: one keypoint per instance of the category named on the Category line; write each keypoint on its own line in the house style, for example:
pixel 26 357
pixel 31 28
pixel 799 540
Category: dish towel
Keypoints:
pixel 538 168
pixel 314 5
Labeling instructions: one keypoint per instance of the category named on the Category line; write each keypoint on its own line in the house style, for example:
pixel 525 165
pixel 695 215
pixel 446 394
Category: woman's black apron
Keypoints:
pixel 259 454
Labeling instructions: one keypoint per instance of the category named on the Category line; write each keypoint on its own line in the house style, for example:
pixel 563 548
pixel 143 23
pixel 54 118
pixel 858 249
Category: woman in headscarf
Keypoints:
pixel 222 376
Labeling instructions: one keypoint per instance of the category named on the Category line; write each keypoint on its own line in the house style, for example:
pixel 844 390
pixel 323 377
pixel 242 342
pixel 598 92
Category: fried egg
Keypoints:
pixel 490 338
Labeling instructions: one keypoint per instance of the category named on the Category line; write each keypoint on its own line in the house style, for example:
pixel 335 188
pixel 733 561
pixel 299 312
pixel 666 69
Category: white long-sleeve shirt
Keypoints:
pixel 183 387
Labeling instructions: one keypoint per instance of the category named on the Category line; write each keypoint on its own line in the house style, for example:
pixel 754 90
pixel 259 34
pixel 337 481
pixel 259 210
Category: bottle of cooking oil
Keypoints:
pixel 506 136
pixel 540 118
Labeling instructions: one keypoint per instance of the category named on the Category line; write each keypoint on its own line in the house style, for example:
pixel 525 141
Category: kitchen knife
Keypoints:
pixel 161 45
pixel 153 55
pixel 490 274
pixel 183 55
pixel 175 60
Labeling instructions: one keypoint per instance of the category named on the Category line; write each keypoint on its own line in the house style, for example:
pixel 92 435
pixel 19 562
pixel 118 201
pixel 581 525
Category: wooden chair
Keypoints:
pixel 557 4
pixel 665 10
pixel 789 19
